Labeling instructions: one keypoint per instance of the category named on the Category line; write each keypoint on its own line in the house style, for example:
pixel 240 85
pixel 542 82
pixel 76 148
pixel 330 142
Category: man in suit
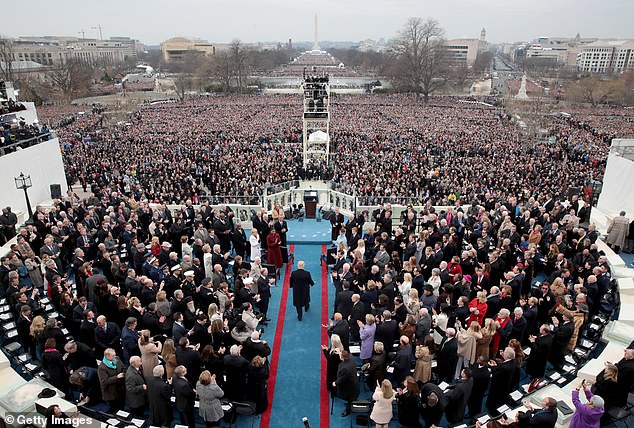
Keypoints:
pixel 188 357
pixel 561 336
pixel 178 329
pixel 336 222
pixel 386 332
pixel 501 378
pixel 481 375
pixel 357 314
pixel 300 282
pixel 458 396
pixel 185 396
pixel 447 356
pixel 340 327
pixel 343 302
pixel 107 335
pixel 546 417
pixel 135 387
pixel 159 394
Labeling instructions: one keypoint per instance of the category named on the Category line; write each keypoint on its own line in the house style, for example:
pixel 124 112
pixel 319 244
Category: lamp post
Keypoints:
pixel 23 182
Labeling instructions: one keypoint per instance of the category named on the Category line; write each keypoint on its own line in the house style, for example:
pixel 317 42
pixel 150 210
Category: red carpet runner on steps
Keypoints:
pixel 324 411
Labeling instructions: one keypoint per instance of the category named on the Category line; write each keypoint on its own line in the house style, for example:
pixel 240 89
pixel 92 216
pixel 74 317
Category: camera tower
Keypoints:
pixel 316 137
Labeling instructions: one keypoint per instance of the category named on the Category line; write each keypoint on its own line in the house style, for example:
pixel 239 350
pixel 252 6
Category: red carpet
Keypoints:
pixel 324 411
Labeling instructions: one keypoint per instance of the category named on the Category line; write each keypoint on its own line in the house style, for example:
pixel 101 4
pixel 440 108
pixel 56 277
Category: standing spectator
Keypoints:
pixel 458 396
pixel 561 336
pixel 159 394
pixel 586 415
pixel 130 339
pixel 366 332
pixel 257 380
pixel 185 396
pixel 111 374
pixel 53 366
pixel 540 349
pixel 447 356
pixel 347 382
pixel 382 410
pixel 403 360
pixel 501 378
pixel 136 395
pixel 467 343
pixel 408 403
pixel 424 355
pixel 209 394
pixel 169 356
pixel 149 353
pixel 618 231
pixel 481 375
pixel 607 387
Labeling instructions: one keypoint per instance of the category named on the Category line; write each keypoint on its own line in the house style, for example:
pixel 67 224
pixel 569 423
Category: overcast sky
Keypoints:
pixel 152 21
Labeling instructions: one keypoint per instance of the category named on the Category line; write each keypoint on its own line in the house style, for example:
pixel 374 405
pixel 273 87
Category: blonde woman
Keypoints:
pixel 213 313
pixel 424 355
pixel 333 359
pixel 254 241
pixel 405 287
pixel 162 304
pixel 382 410
pixel 413 303
pixel 149 353
pixel 466 345
pixel 37 332
pixel 207 261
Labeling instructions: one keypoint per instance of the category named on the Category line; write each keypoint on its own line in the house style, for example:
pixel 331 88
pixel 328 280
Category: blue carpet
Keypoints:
pixel 298 376
pixel 308 231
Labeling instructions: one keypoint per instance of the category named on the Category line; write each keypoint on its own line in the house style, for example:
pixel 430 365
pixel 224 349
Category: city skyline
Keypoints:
pixel 279 20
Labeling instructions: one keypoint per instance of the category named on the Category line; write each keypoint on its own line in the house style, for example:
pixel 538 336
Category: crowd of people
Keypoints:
pixel 155 307
pixel 153 301
pixel 383 147
pixel 461 289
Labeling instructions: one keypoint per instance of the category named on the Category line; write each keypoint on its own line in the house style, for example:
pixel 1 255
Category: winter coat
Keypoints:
pixel 618 231
pixel 210 408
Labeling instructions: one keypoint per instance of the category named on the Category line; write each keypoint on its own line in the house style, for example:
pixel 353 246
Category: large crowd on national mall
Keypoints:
pixel 164 302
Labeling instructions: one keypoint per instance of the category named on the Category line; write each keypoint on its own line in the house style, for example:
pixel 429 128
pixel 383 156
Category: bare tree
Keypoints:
pixel 72 78
pixel 6 59
pixel 421 64
pixel 222 69
pixel 593 90
pixel 239 62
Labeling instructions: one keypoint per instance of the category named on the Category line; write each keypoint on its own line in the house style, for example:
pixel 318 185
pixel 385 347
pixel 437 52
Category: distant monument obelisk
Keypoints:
pixel 521 95
pixel 316 47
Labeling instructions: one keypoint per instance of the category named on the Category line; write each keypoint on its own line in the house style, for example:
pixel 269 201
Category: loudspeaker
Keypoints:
pixel 56 191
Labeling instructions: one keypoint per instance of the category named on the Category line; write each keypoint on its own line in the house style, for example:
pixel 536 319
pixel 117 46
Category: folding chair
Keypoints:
pixel 359 409
pixel 245 408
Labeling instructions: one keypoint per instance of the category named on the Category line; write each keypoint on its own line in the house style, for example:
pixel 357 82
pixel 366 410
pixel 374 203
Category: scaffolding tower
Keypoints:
pixel 316 136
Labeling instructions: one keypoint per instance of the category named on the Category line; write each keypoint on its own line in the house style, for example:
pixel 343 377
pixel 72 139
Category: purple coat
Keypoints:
pixel 585 416
pixel 367 340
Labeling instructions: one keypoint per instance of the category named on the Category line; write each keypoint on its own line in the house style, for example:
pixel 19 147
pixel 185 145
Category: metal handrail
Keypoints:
pixel 26 143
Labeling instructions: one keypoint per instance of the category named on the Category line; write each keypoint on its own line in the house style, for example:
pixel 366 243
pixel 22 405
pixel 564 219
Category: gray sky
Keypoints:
pixel 153 21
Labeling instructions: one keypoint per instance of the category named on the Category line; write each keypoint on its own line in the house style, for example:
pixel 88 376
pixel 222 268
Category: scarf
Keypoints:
pixel 110 364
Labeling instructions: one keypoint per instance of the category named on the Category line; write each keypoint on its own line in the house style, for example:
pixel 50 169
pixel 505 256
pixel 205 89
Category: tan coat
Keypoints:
pixel 618 231
pixel 467 344
pixel 483 344
pixel 170 365
pixel 422 371
pixel 149 357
